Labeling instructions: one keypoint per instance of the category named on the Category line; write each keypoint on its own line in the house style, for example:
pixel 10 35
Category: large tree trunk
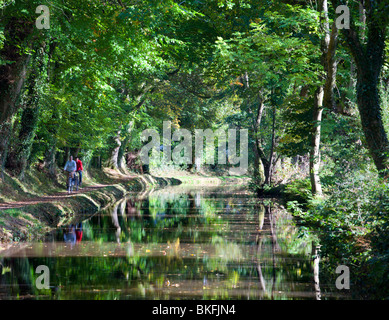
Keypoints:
pixel 116 159
pixel 12 76
pixel 371 117
pixel 21 150
pixel 368 72
pixel 8 97
pixel 369 59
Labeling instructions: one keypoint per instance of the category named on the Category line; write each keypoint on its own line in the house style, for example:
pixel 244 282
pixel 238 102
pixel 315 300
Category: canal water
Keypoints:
pixel 174 243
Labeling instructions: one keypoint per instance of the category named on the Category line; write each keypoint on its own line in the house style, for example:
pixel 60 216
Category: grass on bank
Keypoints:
pixel 32 221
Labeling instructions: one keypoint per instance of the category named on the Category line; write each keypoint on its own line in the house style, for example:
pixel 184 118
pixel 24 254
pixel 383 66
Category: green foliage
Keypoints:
pixel 351 223
pixel 298 190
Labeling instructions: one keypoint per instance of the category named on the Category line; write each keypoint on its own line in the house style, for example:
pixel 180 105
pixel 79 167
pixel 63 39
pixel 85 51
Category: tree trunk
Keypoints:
pixel 21 150
pixel 29 122
pixel 314 159
pixel 12 76
pixel 371 117
pixel 123 146
pixel 271 164
pixel 50 157
pixel 330 66
pixel 121 152
pixel 66 156
pixel 263 166
pixel 259 166
pixel 52 129
pixel 369 59
pixel 74 152
pixel 5 132
pixel 113 160
pixel 259 170
pixel 323 95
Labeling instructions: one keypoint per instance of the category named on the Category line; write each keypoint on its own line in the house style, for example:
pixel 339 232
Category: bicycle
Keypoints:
pixel 72 180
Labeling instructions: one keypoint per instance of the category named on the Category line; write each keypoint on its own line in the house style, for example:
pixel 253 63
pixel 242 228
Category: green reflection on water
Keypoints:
pixel 205 244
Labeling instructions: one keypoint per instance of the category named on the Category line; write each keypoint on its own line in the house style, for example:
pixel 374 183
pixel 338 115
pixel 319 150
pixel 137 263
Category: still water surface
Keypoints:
pixel 175 243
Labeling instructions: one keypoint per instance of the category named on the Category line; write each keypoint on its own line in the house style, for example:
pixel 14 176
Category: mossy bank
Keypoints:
pixel 33 221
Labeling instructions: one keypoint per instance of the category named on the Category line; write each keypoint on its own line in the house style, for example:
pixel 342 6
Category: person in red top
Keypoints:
pixel 79 232
pixel 79 169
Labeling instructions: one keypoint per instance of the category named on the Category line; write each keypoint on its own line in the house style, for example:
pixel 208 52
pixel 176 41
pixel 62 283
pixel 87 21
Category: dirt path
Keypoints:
pixel 113 177
pixel 50 198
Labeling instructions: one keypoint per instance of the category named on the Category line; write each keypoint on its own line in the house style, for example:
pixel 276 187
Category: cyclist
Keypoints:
pixel 70 169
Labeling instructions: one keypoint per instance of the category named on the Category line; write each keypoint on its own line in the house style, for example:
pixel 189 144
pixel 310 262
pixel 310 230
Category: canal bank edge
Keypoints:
pixel 33 221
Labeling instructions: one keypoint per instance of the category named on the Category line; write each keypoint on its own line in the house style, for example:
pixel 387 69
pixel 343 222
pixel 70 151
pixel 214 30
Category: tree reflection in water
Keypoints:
pixel 172 244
